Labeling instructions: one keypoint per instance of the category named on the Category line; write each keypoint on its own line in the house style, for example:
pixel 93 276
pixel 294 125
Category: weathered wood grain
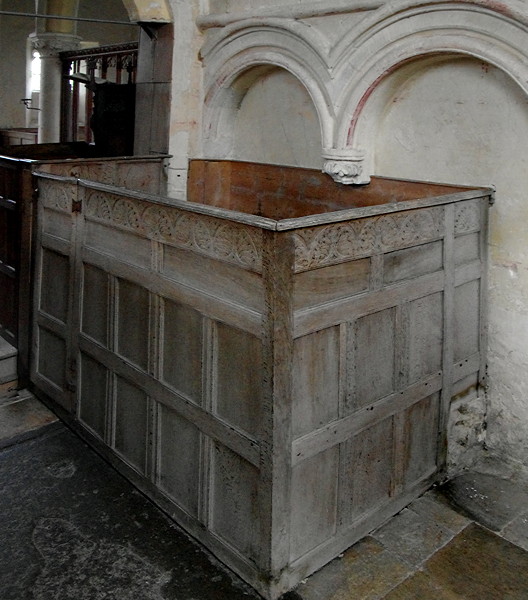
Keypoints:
pixel 280 383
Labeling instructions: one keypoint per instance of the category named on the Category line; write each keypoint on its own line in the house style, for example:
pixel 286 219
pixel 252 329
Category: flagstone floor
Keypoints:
pixel 72 528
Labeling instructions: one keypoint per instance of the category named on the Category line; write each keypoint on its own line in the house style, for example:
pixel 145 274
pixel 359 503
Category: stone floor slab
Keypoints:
pixel 412 537
pixel 74 529
pixel 366 571
pixel 490 500
pixel 517 531
pixel 433 506
pixel 475 565
pixel 8 362
pixel 22 416
pixel 421 587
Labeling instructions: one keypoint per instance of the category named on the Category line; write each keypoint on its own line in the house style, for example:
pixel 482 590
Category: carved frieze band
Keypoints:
pixel 332 244
pixel 57 195
pixel 467 216
pixel 215 238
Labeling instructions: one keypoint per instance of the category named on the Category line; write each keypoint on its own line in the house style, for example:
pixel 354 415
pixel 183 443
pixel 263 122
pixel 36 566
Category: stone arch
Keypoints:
pixel 235 61
pixel 417 37
pixel 146 11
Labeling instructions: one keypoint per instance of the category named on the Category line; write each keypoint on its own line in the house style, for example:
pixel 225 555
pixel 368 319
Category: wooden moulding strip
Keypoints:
pixel 52 324
pixel 235 314
pixel 52 242
pixel 371 211
pixel 212 426
pixel 466 366
pixel 272 224
pixel 202 209
pixel 339 431
pixel 348 309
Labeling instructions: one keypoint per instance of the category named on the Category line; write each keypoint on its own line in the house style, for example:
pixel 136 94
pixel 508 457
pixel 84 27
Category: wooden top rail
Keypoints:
pixel 285 198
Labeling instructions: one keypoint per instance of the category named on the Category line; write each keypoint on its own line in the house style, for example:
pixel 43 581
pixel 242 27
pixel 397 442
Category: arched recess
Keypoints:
pixel 236 63
pixel 397 107
pixel 415 37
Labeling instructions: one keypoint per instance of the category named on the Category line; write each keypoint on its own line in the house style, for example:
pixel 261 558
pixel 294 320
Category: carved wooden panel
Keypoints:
pixel 223 240
pixel 93 394
pixel 238 378
pixel 134 173
pixel 183 349
pixel 179 459
pixel 235 489
pixel 52 357
pixel 54 296
pixel 95 308
pixel 341 242
pixel 280 386
pixel 131 427
pixel 374 357
pixel 316 384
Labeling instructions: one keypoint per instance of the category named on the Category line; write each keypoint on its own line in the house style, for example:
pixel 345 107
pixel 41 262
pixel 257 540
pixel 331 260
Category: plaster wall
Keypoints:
pixel 277 123
pixel 464 121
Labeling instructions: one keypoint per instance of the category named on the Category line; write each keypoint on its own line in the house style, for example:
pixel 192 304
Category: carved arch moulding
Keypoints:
pixel 348 78
pixel 147 11
pixel 418 35
pixel 245 51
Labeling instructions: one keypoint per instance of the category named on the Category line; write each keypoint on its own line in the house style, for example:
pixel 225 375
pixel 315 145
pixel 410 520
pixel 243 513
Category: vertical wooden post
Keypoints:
pixel 278 260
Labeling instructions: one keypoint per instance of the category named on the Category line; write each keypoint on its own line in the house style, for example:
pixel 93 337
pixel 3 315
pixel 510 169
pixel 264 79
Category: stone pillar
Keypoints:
pixel 49 45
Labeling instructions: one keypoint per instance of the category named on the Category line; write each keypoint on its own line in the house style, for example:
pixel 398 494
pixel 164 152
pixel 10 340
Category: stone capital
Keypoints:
pixel 345 166
pixel 50 45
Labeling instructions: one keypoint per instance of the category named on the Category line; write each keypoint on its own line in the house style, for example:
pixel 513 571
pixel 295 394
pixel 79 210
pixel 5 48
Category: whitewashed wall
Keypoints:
pixel 277 123
pixel 465 121
pixel 462 119
pixel 427 90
